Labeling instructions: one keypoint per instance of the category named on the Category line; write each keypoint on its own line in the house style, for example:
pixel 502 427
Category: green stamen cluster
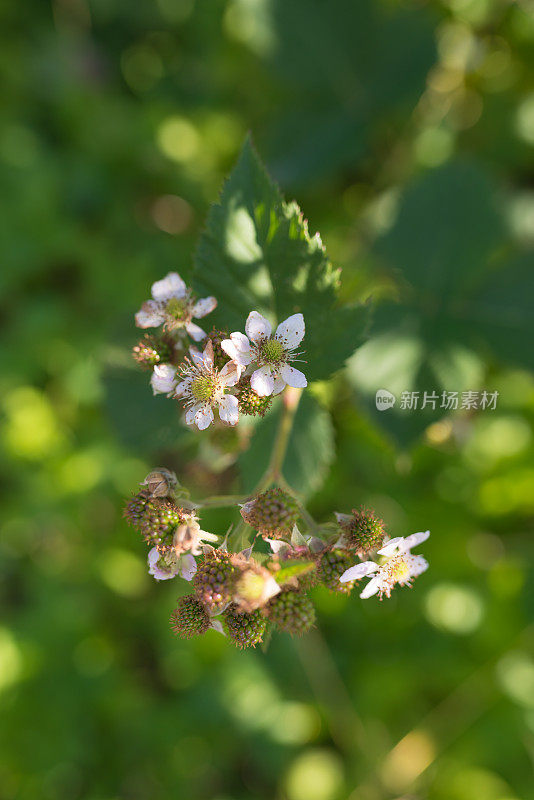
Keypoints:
pixel 178 309
pixel 243 629
pixel 273 513
pixel 291 611
pixel 152 350
pixel 214 580
pixel 203 387
pixel 272 351
pixel 364 531
pixel 189 618
pixel 330 566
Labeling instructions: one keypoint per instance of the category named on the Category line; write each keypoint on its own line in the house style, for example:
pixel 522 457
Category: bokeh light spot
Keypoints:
pixel 454 608
pixel 315 775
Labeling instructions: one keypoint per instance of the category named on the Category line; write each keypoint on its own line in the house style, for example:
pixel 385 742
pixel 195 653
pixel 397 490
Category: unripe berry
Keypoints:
pixel 214 580
pixel 152 350
pixel 220 358
pixel 363 531
pixel 189 618
pixel 156 519
pixel 244 629
pixel 251 403
pixel 273 513
pixel 330 566
pixel 291 611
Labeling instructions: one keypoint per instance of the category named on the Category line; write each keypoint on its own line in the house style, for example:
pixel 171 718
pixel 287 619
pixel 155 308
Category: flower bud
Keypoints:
pixel 362 530
pixel 291 611
pixel 254 586
pixel 273 513
pixel 189 618
pixel 214 580
pixel 159 482
pixel 244 629
pixel 331 565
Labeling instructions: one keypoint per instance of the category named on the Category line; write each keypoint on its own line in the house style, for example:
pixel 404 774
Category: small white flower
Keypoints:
pixel 164 380
pixel 165 567
pixel 399 566
pixel 203 387
pixel 272 353
pixel 174 306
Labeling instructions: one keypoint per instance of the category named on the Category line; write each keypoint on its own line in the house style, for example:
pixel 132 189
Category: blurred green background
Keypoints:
pixel 404 130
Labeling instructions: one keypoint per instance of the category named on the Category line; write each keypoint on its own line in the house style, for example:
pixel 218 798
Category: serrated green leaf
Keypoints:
pixel 309 453
pixel 256 253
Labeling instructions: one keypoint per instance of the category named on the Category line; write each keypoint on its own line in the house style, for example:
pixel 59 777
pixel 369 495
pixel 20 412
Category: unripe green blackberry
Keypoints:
pixel 245 630
pixel 251 403
pixel 220 358
pixel 273 513
pixel 363 531
pixel 331 565
pixel 156 518
pixel 189 618
pixel 152 350
pixel 214 579
pixel 291 611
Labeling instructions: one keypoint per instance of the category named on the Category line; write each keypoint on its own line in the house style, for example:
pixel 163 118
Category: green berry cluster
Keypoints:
pixel 244 629
pixel 220 358
pixel 214 580
pixel 189 618
pixel 273 513
pixel 251 403
pixel 363 531
pixel 155 518
pixel 331 564
pixel 152 350
pixel 292 611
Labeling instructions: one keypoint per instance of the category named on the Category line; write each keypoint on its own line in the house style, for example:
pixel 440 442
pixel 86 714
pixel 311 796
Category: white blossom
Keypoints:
pixel 168 566
pixel 270 352
pixel 398 566
pixel 204 387
pixel 174 306
pixel 163 379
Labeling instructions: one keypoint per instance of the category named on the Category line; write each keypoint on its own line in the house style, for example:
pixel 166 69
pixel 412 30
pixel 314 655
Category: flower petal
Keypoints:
pixel 291 331
pixel 257 327
pixel 228 409
pixel 188 567
pixel 293 377
pixel 207 355
pixel 372 588
pixel 230 373
pixel 241 356
pixel 204 306
pixel 417 565
pixel 195 332
pixel 392 547
pixel 150 315
pixel 169 286
pixel 204 418
pixel 183 388
pixel 279 384
pixel 358 571
pixel 262 381
pixel 216 625
pixel 414 539
pixel 163 379
pixel 191 413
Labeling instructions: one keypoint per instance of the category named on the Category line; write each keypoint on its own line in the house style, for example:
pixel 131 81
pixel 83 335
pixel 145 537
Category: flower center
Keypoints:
pixel 178 309
pixel 398 569
pixel 272 351
pixel 203 387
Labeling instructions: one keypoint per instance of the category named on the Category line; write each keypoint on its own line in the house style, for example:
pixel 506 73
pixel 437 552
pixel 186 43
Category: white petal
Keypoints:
pixel 277 545
pixel 191 413
pixel 216 625
pixel 392 547
pixel 241 356
pixel 262 381
pixel 293 377
pixel 241 341
pixel 183 388
pixel 195 332
pixel 417 565
pixel 188 567
pixel 153 557
pixel 257 327
pixel 279 384
pixel 196 356
pixel 291 331
pixel 372 588
pixel 204 418
pixel 208 537
pixel 150 315
pixel 170 286
pixel 358 571
pixel 228 410
pixel 230 373
pixel 163 378
pixel 343 518
pixel 203 307
pixel 414 539
pixel 207 355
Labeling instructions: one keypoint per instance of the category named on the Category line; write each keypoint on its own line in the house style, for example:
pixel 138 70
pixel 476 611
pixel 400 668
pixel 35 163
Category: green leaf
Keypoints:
pixel 309 453
pixel 294 570
pixel 256 253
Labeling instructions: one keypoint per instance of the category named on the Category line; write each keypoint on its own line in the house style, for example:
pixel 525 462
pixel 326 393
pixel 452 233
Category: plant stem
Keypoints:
pixel 222 501
pixel 291 399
